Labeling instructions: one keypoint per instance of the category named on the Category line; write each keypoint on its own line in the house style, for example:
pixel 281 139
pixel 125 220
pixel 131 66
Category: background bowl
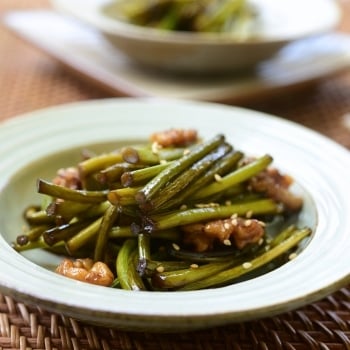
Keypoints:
pixel 280 23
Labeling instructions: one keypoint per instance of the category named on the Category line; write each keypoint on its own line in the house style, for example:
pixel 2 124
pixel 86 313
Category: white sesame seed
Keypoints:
pixel 234 222
pixel 234 216
pixel 160 269
pixel 213 205
pixel 247 223
pixel 217 177
pixel 249 214
pixel 155 147
pixel 206 205
pixel 227 242
pixel 292 256
pixel 261 241
pixel 227 225
pixel 176 246
pixel 163 161
pixel 247 265
pixel 186 151
pixel 194 266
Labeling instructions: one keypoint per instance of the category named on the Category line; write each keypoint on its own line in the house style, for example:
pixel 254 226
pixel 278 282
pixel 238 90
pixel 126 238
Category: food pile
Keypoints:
pixel 234 16
pixel 174 213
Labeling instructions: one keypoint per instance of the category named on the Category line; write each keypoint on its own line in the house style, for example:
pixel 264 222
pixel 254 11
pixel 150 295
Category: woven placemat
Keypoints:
pixel 31 80
pixel 324 108
pixel 321 325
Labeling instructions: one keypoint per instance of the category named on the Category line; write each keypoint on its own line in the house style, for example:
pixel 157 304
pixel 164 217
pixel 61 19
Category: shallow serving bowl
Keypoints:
pixel 37 144
pixel 280 22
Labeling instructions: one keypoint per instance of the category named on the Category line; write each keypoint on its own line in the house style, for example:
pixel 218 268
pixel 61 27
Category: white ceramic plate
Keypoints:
pixel 38 143
pixel 280 22
pixel 85 52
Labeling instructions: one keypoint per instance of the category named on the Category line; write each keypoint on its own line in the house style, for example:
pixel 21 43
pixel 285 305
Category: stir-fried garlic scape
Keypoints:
pixel 235 16
pixel 174 213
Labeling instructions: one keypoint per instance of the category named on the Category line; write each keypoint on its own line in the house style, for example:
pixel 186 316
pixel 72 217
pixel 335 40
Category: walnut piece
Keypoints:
pixel 238 231
pixel 86 270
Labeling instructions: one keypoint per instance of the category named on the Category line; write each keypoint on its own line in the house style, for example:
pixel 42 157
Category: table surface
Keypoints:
pixel 31 80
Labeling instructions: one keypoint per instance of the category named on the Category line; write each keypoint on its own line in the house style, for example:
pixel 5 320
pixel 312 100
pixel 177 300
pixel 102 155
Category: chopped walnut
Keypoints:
pixel 175 137
pixel 238 231
pixel 86 270
pixel 276 186
pixel 68 177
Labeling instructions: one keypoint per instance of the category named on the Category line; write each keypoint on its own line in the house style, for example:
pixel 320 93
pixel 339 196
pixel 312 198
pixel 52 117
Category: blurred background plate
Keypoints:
pixel 280 22
pixel 84 51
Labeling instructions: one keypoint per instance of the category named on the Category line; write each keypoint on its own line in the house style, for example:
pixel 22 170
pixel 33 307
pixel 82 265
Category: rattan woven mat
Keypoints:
pixel 31 80
pixel 322 325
